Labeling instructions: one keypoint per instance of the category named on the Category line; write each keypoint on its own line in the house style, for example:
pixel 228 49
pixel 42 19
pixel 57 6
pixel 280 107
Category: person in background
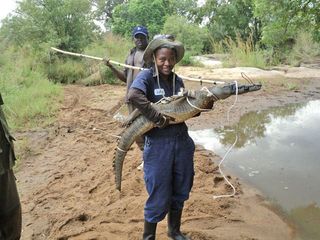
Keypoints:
pixel 169 150
pixel 140 38
pixel 135 58
pixel 10 208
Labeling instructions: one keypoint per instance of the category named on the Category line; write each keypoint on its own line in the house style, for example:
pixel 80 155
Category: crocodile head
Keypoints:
pixel 225 91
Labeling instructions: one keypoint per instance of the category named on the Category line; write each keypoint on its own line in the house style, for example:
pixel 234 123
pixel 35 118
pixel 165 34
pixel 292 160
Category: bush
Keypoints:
pixel 109 46
pixel 241 53
pixel 69 69
pixel 188 60
pixel 112 46
pixel 107 76
pixel 304 49
pixel 31 100
pixel 66 71
pixel 191 35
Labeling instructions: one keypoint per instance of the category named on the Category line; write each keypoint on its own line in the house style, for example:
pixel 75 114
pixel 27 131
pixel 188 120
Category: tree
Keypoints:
pixel 151 14
pixel 184 8
pixel 104 9
pixel 282 19
pixel 191 35
pixel 67 24
pixel 229 18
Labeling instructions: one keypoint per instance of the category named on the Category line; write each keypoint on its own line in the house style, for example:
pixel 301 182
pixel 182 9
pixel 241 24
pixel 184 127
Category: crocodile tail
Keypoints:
pixel 138 127
pixel 117 166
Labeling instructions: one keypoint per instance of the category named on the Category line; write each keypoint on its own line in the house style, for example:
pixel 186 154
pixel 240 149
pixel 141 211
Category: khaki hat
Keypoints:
pixel 161 43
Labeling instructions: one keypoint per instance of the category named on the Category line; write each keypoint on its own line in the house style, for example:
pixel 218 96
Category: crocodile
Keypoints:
pixel 179 108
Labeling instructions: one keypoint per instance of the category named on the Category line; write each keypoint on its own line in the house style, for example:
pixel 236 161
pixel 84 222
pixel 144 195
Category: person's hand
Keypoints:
pixel 106 61
pixel 164 121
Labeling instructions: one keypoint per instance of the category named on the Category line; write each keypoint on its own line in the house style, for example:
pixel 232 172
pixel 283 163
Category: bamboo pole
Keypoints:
pixel 133 67
pixel 96 58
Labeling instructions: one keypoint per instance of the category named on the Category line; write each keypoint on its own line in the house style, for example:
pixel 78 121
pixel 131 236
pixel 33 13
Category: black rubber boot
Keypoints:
pixel 149 232
pixel 174 223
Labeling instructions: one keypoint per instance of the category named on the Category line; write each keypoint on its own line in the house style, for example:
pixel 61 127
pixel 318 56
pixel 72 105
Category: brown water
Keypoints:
pixel 278 152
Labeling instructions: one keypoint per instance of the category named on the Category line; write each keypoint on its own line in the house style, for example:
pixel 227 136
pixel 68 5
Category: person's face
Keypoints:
pixel 140 41
pixel 165 60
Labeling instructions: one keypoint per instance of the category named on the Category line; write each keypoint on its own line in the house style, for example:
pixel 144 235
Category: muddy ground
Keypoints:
pixel 66 180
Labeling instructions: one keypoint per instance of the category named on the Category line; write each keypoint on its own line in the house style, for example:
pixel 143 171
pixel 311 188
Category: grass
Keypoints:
pixel 66 70
pixel 305 50
pixel 111 47
pixel 31 86
pixel 240 53
pixel 22 150
pixel 31 100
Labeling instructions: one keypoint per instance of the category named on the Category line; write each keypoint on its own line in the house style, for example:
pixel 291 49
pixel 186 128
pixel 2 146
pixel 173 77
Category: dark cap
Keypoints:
pixel 140 29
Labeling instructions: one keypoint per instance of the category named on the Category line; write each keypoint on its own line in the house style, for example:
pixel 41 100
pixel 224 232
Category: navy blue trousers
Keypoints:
pixel 168 172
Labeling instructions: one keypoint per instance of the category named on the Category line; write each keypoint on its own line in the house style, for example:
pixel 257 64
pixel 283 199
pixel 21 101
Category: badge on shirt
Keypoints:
pixel 159 91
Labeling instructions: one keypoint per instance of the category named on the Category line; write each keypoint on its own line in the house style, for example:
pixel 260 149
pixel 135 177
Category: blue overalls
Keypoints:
pixel 168 156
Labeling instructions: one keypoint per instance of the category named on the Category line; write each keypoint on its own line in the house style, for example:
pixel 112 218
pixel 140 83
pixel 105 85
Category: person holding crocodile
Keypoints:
pixel 168 150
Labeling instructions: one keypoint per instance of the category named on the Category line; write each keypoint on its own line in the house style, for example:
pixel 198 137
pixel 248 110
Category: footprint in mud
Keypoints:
pixel 83 217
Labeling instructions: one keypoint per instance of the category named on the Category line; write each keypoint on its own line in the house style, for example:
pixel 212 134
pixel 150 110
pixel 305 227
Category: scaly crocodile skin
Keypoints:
pixel 181 109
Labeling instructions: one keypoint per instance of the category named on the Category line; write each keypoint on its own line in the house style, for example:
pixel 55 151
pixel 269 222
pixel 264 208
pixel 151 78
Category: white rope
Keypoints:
pixel 225 155
pixel 209 93
pixel 200 109
pixel 225 178
pixel 134 67
pixel 235 101
pixel 121 150
pixel 157 73
pixel 158 80
pixel 174 83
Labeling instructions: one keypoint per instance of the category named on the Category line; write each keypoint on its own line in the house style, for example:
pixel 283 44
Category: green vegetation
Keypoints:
pixel 258 33
pixel 30 99
pixel 304 50
pixel 66 70
pixel 66 24
pixel 139 12
pixel 193 37
pixel 243 53
pixel 112 47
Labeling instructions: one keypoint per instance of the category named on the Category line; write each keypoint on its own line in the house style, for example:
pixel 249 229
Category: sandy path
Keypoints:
pixel 67 184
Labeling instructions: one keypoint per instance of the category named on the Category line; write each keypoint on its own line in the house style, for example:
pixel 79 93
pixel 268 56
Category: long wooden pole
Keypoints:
pixel 133 67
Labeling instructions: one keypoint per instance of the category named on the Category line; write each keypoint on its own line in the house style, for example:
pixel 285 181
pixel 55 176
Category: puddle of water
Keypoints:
pixel 277 151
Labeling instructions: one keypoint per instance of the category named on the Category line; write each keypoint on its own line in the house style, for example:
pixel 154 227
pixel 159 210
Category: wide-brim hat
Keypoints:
pixel 163 43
